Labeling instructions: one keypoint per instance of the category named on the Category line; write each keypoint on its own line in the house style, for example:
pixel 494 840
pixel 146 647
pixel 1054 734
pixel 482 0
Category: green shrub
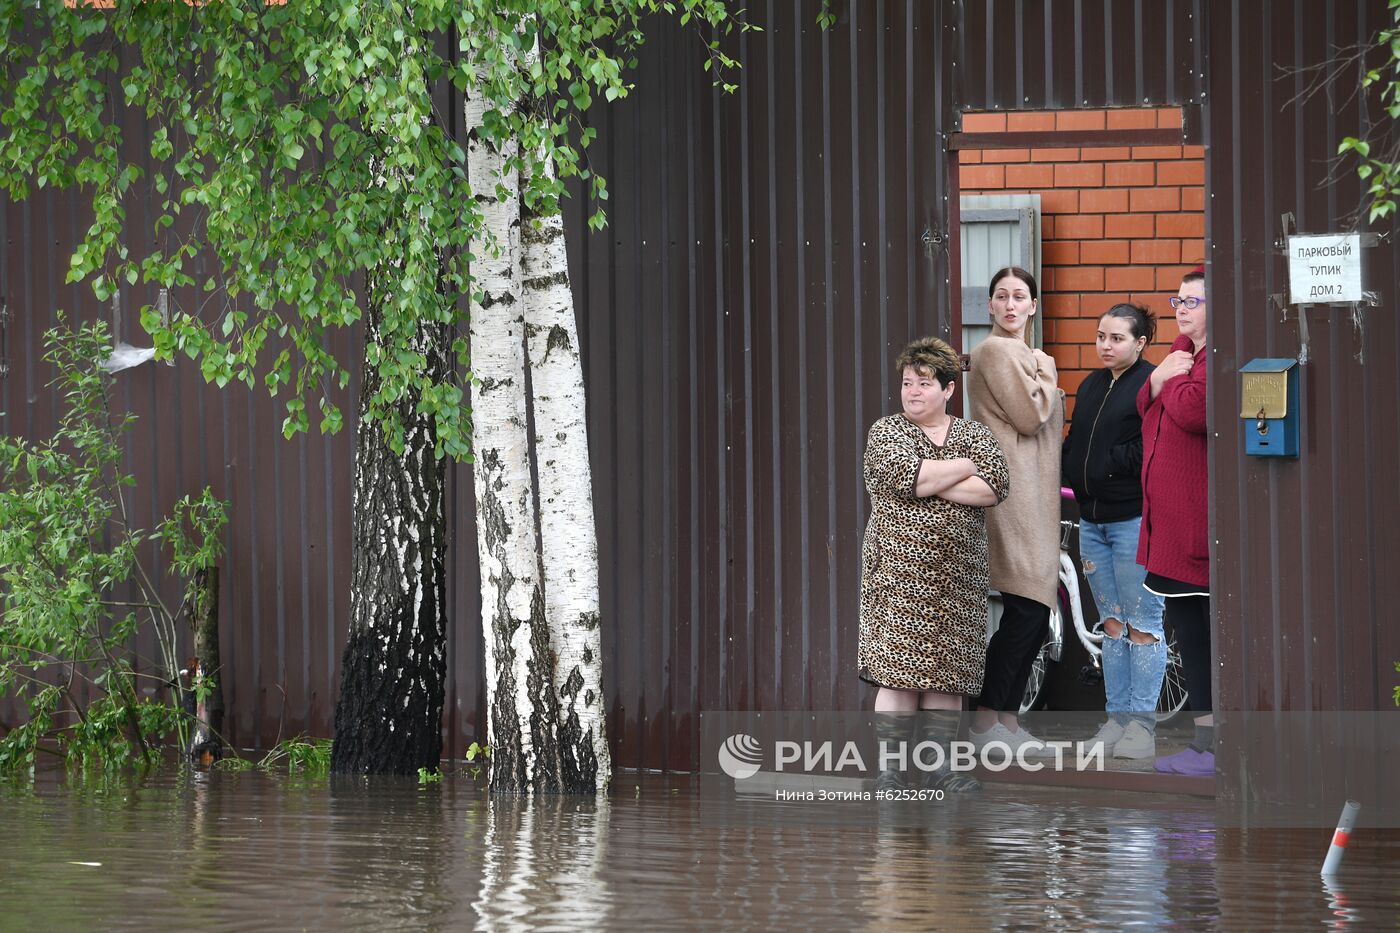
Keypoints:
pixel 73 591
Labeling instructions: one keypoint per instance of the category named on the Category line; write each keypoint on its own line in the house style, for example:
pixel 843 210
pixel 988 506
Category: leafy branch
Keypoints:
pixel 1379 155
pixel 300 146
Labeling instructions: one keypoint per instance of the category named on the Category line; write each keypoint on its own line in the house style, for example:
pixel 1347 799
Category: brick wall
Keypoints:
pixel 1118 224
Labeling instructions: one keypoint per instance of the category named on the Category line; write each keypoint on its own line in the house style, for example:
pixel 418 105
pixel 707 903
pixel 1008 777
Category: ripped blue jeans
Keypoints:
pixel 1132 673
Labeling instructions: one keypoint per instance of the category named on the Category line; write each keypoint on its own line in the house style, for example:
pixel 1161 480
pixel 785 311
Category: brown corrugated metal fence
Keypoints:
pixel 769 251
pixel 1304 551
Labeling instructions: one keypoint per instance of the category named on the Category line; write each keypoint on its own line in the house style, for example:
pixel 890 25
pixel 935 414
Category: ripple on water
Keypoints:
pixel 230 851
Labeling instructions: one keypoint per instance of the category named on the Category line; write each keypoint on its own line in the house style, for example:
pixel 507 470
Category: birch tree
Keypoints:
pixel 519 681
pixel 298 151
pixel 569 540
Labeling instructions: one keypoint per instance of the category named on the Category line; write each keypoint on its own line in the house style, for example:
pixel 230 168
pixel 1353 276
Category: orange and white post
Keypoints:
pixel 1340 838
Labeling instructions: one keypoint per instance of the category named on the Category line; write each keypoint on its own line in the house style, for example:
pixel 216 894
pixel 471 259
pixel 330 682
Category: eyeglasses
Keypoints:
pixel 1190 304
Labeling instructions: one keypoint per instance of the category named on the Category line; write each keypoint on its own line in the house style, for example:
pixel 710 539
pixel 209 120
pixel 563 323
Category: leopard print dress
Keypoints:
pixel 923 590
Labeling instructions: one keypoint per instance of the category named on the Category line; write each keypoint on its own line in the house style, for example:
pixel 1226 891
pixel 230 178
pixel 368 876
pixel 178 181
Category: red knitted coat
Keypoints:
pixel 1174 538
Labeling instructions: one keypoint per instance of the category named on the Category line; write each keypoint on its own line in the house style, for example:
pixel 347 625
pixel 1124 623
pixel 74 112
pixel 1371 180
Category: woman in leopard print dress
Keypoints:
pixel 923 600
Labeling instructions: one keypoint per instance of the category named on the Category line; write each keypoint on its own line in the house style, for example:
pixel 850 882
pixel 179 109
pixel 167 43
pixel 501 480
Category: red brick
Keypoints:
pixel 1079 120
pixel 1189 172
pixel 1132 119
pixel 1060 304
pixel 1130 225
pixel 1147 252
pixel 1079 226
pixel 1059 202
pixel 1096 304
pixel 1079 175
pixel 1076 331
pixel 1182 226
pixel 1089 356
pixel 974 177
pixel 1060 253
pixel 1006 155
pixel 970 157
pixel 1160 348
pixel 1193 199
pixel 1030 176
pixel 1105 200
pixel 1193 152
pixel 1156 152
pixel 1047 227
pixel 1128 174
pixel 1104 252
pixel 1107 154
pixel 1065 357
pixel 1156 199
pixel 1070 380
pixel 1167 331
pixel 1169 277
pixel 1169 118
pixel 1077 279
pixel 1193 251
pixel 984 122
pixel 1030 121
pixel 1157 302
pixel 1133 278
pixel 1055 155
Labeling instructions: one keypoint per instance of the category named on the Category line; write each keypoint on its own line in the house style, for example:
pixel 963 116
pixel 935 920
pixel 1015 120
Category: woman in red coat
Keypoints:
pixel 1174 541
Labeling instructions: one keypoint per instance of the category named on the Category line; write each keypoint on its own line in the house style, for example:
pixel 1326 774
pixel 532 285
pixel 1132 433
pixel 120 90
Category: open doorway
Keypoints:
pixel 1103 207
pixel 1115 208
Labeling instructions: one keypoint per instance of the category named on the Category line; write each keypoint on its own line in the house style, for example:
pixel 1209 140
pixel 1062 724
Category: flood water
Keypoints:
pixel 254 851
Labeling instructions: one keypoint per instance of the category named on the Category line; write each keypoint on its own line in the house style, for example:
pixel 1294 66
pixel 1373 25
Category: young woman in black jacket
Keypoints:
pixel 1102 462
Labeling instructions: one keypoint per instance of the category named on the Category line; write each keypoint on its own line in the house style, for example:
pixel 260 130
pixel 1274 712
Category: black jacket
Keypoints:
pixel 1102 458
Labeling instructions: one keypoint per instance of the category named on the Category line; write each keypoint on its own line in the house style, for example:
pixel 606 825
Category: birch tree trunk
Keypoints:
pixel 388 719
pixel 569 541
pixel 521 704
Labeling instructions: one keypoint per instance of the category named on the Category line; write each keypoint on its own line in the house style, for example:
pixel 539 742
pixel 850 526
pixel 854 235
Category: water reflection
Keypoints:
pixel 544 864
pixel 232 851
pixel 1343 915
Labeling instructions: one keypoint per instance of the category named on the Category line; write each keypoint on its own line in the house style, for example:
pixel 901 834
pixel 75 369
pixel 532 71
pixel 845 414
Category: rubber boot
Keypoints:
pixel 940 726
pixel 890 730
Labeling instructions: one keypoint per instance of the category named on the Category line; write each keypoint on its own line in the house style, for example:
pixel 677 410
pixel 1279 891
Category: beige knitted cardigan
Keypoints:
pixel 1012 391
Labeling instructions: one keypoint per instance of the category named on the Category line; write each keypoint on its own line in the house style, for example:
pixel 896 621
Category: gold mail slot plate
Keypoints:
pixel 1265 395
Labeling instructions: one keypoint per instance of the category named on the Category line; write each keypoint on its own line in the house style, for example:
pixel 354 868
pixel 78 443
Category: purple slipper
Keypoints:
pixel 1189 761
pixel 1203 765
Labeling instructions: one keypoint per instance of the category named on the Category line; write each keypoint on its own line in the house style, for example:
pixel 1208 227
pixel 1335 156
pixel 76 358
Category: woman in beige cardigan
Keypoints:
pixel 1013 392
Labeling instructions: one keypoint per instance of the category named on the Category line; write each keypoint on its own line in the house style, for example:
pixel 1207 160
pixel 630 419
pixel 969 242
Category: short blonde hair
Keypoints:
pixel 930 356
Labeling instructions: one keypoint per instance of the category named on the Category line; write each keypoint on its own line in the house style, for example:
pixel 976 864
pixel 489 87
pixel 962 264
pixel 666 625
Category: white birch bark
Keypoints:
pixel 569 542
pixel 520 698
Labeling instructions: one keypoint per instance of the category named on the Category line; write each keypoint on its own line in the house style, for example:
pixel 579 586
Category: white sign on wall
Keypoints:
pixel 1324 269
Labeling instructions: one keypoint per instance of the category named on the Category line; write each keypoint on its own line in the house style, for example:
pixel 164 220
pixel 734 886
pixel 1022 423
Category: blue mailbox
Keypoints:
pixel 1269 407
